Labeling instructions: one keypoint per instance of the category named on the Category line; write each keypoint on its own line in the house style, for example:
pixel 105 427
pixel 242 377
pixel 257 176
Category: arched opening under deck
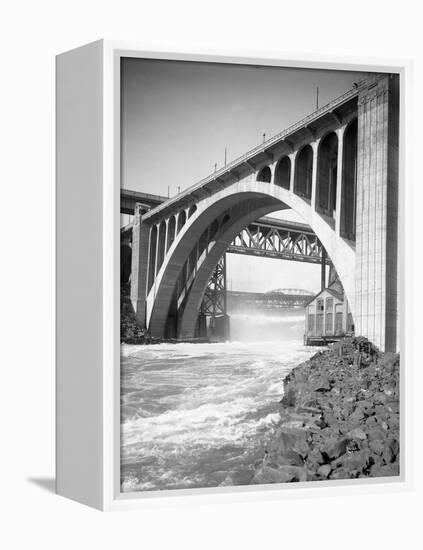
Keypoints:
pixel 265 174
pixel 283 173
pixel 327 175
pixel 349 183
pixel 152 256
pixel 182 218
pixel 171 232
pixel 304 172
pixel 161 245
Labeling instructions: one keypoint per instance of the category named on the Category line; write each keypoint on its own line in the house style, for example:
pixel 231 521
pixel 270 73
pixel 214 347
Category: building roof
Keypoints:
pixel 331 291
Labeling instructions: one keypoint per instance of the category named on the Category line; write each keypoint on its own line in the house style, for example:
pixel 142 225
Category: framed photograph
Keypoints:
pixel 230 275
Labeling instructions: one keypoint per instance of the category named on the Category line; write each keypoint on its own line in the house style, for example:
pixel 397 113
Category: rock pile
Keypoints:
pixel 339 418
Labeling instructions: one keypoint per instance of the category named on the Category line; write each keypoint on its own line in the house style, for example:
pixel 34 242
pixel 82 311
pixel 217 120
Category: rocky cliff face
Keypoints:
pixel 339 418
pixel 130 332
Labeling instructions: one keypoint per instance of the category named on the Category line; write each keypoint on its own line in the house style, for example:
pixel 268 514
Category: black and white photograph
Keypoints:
pixel 259 314
pixel 211 275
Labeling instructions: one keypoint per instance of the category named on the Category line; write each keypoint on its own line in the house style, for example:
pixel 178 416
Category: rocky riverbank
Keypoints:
pixel 339 418
pixel 130 331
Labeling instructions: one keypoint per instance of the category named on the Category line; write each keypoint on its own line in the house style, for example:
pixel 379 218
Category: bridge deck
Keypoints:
pixel 339 106
pixel 129 198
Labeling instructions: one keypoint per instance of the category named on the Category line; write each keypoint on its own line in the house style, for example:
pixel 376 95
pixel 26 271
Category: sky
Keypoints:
pixel 178 117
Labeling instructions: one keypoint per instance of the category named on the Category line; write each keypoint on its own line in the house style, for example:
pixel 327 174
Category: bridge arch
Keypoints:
pixel 238 204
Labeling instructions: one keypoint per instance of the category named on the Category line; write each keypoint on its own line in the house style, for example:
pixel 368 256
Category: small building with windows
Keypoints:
pixel 328 316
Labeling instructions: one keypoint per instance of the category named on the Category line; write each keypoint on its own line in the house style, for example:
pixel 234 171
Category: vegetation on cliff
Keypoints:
pixel 130 332
pixel 339 418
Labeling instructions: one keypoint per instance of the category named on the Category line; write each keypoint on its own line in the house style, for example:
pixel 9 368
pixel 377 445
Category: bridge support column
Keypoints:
pixel 339 179
pixel 376 304
pixel 166 238
pixel 315 146
pixel 139 268
pixel 155 255
pixel 292 158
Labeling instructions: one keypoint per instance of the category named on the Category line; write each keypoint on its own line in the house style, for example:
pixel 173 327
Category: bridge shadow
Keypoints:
pixel 46 483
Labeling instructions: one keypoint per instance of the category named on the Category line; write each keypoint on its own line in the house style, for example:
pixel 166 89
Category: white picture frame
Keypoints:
pixel 88 359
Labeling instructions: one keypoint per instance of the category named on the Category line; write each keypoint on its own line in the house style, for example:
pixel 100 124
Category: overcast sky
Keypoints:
pixel 178 117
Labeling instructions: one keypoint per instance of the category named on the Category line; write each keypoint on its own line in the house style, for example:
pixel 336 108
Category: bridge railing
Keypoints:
pixel 277 137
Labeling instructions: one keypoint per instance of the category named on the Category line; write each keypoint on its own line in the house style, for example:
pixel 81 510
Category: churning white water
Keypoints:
pixel 198 415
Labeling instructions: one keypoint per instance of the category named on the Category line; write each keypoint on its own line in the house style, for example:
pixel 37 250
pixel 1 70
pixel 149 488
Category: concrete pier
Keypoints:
pixel 376 297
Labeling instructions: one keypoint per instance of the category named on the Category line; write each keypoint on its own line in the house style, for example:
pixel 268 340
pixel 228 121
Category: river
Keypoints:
pixel 198 415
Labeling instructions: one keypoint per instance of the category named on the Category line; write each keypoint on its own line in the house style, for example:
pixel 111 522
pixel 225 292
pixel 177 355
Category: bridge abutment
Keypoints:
pixel 377 211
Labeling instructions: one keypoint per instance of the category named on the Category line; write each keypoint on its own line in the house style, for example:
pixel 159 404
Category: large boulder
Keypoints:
pixel 334 449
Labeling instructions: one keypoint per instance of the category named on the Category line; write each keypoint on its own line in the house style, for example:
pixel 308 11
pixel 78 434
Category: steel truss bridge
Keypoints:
pixel 275 299
pixel 273 238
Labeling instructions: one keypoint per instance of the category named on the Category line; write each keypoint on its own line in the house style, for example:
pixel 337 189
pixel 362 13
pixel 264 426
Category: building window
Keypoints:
pixel 338 323
pixel 319 324
pixel 320 305
pixel 329 304
pixel 350 323
pixel 310 324
pixel 329 323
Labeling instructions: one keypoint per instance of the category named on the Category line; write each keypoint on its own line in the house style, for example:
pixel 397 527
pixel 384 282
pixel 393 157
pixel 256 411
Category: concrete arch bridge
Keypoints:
pixel 337 168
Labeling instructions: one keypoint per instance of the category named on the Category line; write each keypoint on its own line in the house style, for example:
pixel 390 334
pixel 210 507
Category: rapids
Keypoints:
pixel 198 415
